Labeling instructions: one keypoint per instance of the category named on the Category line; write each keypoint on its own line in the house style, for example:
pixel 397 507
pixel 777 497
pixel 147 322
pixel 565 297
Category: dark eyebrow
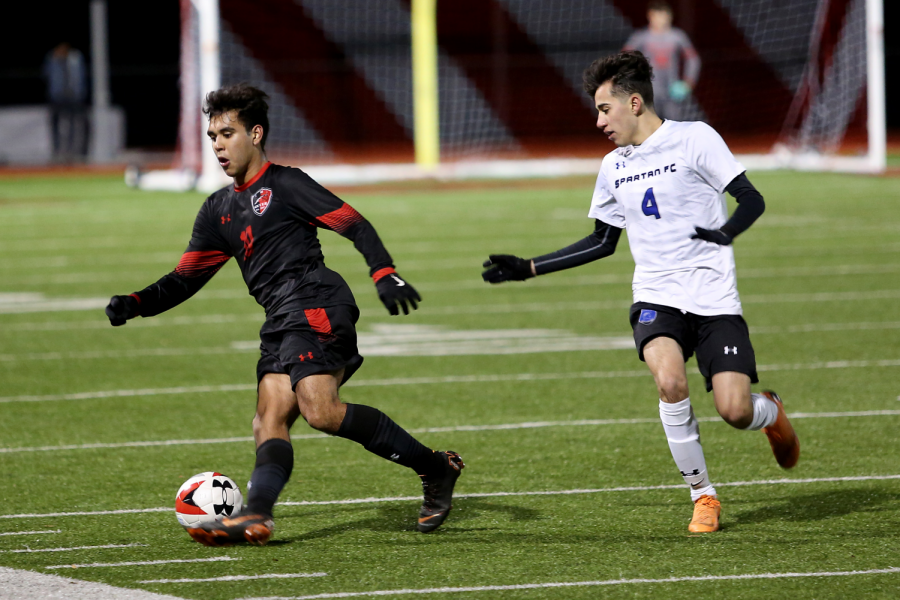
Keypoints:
pixel 222 130
pixel 601 105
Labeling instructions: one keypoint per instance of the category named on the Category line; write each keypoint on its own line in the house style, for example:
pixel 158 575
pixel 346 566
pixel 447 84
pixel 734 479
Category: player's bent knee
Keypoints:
pixel 324 418
pixel 672 388
pixel 736 415
pixel 323 412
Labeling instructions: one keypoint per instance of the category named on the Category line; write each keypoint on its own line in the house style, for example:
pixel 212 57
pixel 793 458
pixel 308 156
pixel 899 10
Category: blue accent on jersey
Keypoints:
pixel 648 204
pixel 647 316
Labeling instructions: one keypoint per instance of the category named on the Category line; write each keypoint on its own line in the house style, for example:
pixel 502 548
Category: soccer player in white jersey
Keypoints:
pixel 665 185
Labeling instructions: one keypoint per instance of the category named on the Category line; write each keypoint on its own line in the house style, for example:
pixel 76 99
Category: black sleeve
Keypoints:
pixel 750 206
pixel 317 205
pixel 205 255
pixel 599 244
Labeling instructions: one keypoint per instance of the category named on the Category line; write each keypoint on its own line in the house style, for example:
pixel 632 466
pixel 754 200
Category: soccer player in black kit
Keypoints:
pixel 267 221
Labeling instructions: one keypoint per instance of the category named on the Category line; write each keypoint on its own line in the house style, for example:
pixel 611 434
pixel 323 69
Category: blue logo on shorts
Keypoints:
pixel 647 316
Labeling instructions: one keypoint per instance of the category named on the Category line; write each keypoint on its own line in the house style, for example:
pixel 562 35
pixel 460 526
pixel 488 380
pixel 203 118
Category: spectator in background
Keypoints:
pixel 66 76
pixel 665 47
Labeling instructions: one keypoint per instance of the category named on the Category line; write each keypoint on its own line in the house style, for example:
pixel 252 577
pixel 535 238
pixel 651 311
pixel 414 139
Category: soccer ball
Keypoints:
pixel 207 498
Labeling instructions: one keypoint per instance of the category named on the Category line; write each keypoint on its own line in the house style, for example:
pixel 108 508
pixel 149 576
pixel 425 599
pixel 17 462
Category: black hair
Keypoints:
pixel 249 102
pixel 660 5
pixel 629 71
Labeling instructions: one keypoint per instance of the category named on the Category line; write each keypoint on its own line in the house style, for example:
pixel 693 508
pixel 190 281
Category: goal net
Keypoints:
pixel 793 83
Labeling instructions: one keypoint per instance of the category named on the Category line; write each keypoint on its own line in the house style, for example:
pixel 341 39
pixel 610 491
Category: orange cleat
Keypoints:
pixel 706 515
pixel 782 438
pixel 253 528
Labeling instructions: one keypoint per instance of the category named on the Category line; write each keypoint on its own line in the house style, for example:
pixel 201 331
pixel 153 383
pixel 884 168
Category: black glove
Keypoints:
pixel 506 267
pixel 393 291
pixel 120 309
pixel 716 236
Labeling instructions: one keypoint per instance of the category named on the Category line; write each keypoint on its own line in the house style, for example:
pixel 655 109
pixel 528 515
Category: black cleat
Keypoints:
pixel 438 491
pixel 253 528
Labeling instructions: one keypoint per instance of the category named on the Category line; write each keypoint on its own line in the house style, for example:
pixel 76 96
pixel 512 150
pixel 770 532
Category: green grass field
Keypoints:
pixel 819 275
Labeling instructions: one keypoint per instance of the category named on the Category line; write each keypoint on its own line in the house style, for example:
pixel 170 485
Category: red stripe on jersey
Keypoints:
pixel 137 311
pixel 254 180
pixel 201 263
pixel 342 219
pixel 319 322
pixel 382 273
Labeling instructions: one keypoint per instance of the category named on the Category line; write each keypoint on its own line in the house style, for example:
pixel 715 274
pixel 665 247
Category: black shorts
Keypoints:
pixel 722 342
pixel 311 341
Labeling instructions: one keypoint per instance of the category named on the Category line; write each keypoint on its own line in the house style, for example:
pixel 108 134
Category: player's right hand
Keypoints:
pixel 120 309
pixel 506 267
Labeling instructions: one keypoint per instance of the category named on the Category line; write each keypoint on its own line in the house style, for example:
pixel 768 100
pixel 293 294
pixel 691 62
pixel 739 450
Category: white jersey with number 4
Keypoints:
pixel 659 192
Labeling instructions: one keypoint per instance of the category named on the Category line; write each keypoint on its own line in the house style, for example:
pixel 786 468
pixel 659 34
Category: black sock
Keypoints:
pixel 274 463
pixel 378 434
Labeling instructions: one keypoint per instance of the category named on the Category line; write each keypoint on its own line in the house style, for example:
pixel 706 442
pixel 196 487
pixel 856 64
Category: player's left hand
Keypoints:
pixel 395 293
pixel 716 236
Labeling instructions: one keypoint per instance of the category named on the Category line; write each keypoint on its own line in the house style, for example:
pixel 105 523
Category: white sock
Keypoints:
pixel 683 432
pixel 764 412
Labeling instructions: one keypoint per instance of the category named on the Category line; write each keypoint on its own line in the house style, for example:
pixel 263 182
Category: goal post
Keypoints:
pixel 426 134
pixel 377 90
pixel 877 92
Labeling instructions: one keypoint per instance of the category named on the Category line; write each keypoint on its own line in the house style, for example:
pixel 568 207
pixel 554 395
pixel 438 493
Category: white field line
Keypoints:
pixel 238 349
pixel 124 353
pixel 551 307
pixel 637 488
pixel 525 307
pixel 200 389
pixel 31 532
pixel 106 546
pixel 258 318
pixel 450 429
pixel 238 578
pixel 625 278
pixel 196 389
pixel 568 584
pixel 136 563
pixel 91 513
pixel 163 321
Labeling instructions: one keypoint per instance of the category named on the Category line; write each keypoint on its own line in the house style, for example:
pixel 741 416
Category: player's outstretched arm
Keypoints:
pixel 750 207
pixel 193 271
pixel 600 244
pixel 204 256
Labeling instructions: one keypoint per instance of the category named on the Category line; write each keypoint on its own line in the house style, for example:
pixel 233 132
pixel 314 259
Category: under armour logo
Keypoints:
pixel 733 350
pixel 694 472
pixel 394 457
pixel 303 358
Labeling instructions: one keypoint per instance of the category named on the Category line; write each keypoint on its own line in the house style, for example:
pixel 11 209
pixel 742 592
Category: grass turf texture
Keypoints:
pixel 832 235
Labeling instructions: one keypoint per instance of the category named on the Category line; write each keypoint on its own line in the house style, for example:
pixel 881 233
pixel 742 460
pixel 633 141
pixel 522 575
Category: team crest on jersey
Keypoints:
pixel 260 200
pixel 647 316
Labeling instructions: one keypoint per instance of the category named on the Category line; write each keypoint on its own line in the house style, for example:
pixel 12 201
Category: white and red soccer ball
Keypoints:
pixel 207 498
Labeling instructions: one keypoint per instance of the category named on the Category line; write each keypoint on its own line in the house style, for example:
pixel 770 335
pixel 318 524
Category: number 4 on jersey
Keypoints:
pixel 648 204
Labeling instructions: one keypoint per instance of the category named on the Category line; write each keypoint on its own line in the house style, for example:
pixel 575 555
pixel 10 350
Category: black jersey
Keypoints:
pixel 269 226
